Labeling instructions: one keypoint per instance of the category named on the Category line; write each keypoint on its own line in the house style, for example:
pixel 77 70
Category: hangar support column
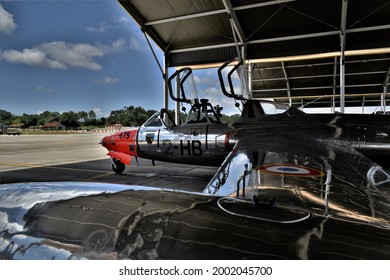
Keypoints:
pixel 165 75
pixel 177 108
pixel 163 70
pixel 334 85
pixel 342 53
pixel 385 89
pixel 250 84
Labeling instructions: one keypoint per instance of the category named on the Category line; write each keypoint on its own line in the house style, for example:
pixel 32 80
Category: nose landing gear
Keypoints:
pixel 117 166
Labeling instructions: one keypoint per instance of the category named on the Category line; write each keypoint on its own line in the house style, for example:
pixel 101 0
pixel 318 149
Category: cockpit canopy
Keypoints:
pixel 203 112
pixel 159 119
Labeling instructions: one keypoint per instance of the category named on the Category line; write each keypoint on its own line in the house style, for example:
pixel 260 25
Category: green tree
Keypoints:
pixel 92 114
pixel 16 120
pixel 139 116
pixel 129 116
pixel 6 117
pixel 101 122
pixel 115 116
pixel 230 119
pixel 82 117
pixel 182 116
pixel 29 120
pixel 70 119
pixel 48 116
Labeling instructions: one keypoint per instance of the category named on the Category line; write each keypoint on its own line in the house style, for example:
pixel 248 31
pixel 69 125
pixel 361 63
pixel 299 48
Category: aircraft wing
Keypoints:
pixel 299 176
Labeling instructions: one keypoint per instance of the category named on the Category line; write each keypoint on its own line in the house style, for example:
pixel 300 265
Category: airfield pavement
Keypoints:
pixel 79 158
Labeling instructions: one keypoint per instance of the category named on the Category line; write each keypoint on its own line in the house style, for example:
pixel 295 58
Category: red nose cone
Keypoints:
pixel 106 141
pixel 123 142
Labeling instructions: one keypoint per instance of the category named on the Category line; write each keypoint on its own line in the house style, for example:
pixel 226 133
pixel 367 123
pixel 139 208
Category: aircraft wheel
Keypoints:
pixel 118 167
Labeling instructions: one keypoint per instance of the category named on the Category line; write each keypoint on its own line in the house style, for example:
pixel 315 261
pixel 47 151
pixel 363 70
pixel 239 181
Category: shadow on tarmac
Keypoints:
pixel 164 175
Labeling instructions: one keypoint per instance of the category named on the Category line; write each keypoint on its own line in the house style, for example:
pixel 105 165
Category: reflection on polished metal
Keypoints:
pixel 289 186
pixel 106 221
pixel 378 176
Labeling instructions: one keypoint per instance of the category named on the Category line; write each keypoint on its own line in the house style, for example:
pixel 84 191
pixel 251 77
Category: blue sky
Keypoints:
pixel 67 55
pixel 64 55
pixel 72 56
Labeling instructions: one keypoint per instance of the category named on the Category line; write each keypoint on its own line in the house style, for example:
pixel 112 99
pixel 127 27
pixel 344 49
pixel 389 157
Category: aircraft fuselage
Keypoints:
pixel 208 143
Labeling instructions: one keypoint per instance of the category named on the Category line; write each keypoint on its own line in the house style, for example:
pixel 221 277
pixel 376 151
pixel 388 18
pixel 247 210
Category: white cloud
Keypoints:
pixel 44 89
pixel 202 79
pixel 33 57
pixel 228 105
pixel 135 44
pixel 123 19
pixel 7 24
pixel 213 91
pixel 99 113
pixel 63 55
pixel 73 55
pixel 118 46
pixel 107 80
pixel 102 28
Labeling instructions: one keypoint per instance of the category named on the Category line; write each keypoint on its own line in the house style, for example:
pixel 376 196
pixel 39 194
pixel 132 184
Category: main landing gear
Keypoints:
pixel 117 166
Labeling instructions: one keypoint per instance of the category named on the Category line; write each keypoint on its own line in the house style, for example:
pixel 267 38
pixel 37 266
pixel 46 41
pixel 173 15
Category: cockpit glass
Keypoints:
pixel 202 114
pixel 196 116
pixel 154 120
pixel 167 119
pixel 212 115
pixel 193 116
pixel 189 87
pixel 236 81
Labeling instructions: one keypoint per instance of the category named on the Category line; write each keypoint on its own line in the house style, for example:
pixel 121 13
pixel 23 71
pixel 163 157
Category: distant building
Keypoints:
pixel 53 126
pixel 18 125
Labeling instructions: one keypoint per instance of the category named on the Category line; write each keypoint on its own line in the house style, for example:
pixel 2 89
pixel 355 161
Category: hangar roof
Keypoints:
pixel 279 37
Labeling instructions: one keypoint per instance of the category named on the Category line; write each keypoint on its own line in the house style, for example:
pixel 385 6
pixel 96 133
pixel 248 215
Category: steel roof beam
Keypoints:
pixel 263 4
pixel 319 64
pixel 286 38
pixel 368 28
pixel 197 15
pixel 216 12
pixel 294 37
pixel 351 95
pixel 318 76
pixel 269 40
pixel 315 88
pixel 235 21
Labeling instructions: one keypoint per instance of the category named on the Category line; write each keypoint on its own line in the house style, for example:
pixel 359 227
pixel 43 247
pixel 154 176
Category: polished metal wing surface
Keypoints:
pixel 89 221
pixel 282 169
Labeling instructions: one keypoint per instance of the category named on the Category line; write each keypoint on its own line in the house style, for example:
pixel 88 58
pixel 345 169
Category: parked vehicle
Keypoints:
pixel 13 131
